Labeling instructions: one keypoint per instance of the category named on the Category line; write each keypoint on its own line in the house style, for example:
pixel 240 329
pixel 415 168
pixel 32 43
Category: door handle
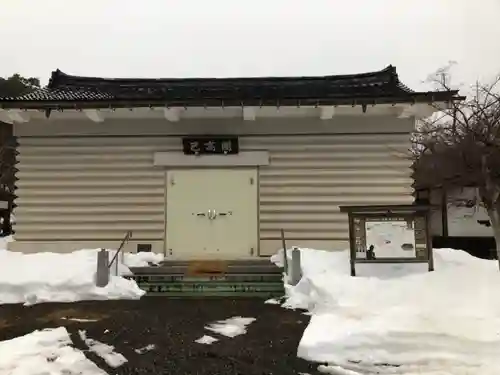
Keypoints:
pixel 212 214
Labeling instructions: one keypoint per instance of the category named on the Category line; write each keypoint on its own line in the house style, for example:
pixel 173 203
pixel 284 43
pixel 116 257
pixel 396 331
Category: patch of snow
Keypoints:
pixel 145 349
pixel 272 301
pixel 80 320
pixel 106 352
pixel 231 327
pixel 44 352
pixel 142 259
pixel 59 277
pixel 207 340
pixel 4 241
pixel 400 315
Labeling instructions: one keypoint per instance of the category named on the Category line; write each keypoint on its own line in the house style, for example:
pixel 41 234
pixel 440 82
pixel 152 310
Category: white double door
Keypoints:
pixel 212 213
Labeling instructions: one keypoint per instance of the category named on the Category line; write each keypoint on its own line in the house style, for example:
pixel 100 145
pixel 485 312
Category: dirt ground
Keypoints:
pixel 172 325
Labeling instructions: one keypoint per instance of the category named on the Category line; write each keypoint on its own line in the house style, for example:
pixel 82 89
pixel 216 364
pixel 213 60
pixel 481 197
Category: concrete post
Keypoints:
pixel 102 274
pixel 296 268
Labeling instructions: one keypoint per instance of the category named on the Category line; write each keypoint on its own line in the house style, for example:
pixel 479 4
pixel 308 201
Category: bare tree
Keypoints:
pixel 461 147
pixel 10 87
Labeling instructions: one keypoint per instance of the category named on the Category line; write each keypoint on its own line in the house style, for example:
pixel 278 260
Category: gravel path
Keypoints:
pixel 172 325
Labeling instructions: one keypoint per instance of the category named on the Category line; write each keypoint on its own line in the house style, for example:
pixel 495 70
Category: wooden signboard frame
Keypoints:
pixel 210 145
pixel 418 214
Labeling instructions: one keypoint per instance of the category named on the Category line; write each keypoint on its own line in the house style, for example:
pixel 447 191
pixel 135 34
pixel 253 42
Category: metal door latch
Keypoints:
pixel 212 214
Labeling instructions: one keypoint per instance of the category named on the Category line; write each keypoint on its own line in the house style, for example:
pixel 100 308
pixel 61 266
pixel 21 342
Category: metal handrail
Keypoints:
pixel 285 255
pixel 127 238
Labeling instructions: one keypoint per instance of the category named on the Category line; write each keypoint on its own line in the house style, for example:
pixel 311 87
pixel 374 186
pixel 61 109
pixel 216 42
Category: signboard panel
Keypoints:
pixel 210 145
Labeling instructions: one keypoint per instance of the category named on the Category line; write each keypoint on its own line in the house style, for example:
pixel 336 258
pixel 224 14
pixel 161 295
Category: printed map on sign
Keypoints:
pixel 392 239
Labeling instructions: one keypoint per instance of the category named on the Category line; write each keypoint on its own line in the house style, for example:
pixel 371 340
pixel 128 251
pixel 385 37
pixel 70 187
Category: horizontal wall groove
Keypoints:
pixel 88 159
pixel 88 227
pixel 318 183
pixel 55 238
pixel 323 172
pixel 85 167
pixel 330 200
pixel 299 220
pixel 95 192
pixel 289 236
pixel 73 202
pixel 299 210
pixel 99 184
pixel 83 219
pixel 336 157
pixel 304 230
pixel 129 209
pixel 319 193
pixel 30 175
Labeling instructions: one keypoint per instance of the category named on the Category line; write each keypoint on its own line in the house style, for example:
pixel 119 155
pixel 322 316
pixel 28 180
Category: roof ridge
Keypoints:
pixel 59 78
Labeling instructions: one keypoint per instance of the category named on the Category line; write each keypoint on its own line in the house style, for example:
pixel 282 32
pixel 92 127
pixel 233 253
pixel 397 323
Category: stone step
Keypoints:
pixel 211 278
pixel 233 262
pixel 169 278
pixel 216 294
pixel 222 289
pixel 229 269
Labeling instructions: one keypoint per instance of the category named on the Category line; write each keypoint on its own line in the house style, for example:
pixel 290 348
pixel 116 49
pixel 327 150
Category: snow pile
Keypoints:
pixel 231 327
pixel 206 340
pixel 143 259
pixel 44 352
pixel 4 241
pixel 145 349
pixel 64 277
pixel 397 318
pixel 106 352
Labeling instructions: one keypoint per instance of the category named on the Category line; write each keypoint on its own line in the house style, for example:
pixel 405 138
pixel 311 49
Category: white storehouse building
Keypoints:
pixel 211 167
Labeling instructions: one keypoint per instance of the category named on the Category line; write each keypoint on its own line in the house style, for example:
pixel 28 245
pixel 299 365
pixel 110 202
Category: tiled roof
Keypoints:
pixel 63 94
pixel 67 90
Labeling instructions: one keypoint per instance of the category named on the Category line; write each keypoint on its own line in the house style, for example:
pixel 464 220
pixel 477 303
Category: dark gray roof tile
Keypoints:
pixel 67 90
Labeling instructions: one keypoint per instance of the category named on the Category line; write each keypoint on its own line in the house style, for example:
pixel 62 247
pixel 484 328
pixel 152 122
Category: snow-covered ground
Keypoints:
pixel 399 319
pixel 391 319
pixel 55 277
pixel 51 351
pixel 44 352
pixel 106 352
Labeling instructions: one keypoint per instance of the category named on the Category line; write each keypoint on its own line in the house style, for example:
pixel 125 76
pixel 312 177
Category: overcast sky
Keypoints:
pixel 217 38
